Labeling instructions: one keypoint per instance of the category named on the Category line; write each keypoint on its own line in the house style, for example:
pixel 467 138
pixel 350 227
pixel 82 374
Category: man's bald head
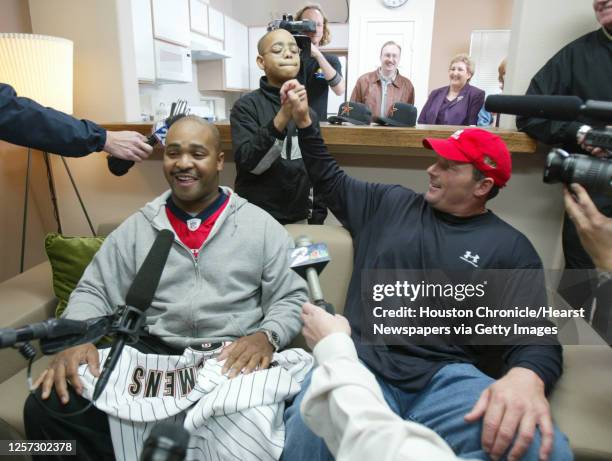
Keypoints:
pixel 200 124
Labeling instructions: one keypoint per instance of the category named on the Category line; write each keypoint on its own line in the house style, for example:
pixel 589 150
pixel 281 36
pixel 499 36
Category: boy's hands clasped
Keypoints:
pixel 293 95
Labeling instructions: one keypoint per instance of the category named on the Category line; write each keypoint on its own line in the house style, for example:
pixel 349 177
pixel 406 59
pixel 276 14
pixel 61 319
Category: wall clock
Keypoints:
pixel 393 3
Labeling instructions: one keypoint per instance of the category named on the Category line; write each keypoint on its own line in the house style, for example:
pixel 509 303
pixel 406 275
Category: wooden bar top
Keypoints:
pixel 374 139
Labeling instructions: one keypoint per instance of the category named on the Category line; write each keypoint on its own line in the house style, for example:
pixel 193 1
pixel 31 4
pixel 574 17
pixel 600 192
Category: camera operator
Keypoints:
pixel 582 68
pixel 26 123
pixel 321 70
pixel 595 232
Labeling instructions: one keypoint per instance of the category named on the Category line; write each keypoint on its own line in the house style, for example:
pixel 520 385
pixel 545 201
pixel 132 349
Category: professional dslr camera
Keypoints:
pixel 593 173
pixel 297 29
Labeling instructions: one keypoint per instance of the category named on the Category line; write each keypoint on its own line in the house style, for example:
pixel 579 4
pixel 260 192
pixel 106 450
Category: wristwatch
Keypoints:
pixel 273 338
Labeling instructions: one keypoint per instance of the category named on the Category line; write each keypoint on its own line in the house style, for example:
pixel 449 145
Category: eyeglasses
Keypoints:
pixel 278 49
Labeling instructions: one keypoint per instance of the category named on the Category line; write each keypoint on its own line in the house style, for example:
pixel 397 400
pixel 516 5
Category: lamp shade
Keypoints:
pixel 38 67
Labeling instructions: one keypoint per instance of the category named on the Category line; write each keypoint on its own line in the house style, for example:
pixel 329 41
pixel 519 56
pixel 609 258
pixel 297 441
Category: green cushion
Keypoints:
pixel 69 256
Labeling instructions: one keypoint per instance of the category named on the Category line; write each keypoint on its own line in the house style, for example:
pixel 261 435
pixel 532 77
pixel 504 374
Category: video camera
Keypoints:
pixel 595 174
pixel 297 29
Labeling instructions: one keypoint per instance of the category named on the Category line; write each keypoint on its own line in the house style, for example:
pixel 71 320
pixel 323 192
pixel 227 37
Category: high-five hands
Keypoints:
pixel 293 94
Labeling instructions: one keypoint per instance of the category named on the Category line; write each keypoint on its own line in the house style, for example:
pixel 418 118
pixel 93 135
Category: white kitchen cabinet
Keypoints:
pixel 216 24
pixel 236 45
pixel 231 74
pixel 198 12
pixel 171 21
pixel 143 40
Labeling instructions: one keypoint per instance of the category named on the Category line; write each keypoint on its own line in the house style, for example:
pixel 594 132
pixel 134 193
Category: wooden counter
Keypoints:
pixel 370 145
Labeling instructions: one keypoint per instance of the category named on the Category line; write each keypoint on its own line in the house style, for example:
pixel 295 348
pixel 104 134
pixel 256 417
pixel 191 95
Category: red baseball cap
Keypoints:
pixel 486 151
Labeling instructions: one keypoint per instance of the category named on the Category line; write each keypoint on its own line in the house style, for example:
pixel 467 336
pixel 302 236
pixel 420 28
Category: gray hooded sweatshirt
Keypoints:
pixel 240 283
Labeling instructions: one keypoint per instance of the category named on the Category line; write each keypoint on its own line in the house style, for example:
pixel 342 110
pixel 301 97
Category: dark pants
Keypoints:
pixel 90 429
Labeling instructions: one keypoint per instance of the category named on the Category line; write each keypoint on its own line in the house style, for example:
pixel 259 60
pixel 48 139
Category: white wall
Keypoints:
pixel 151 95
pixel 105 81
pixel 268 10
pixel 540 29
pixel 420 11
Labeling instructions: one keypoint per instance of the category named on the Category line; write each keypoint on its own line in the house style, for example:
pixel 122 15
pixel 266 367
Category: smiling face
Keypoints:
pixel 458 74
pixel 315 16
pixel 279 57
pixel 192 161
pixel 453 189
pixel 603 12
pixel 389 59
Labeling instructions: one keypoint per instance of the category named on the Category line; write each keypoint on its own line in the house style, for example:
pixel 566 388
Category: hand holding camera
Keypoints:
pixel 594 229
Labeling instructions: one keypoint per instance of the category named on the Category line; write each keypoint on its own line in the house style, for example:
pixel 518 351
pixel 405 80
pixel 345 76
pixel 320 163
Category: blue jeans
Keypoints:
pixel 450 394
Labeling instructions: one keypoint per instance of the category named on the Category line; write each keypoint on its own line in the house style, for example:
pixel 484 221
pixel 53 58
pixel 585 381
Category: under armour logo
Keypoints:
pixel 468 257
pixel 193 224
pixel 346 109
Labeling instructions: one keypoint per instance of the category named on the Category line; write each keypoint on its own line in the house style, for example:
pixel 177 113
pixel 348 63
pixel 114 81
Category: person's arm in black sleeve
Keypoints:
pixel 552 79
pixel 26 123
pixel 546 361
pixel 525 286
pixel 352 201
pixel 257 143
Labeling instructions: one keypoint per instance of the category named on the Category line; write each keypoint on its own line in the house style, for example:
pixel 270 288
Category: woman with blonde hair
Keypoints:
pixel 321 71
pixel 459 102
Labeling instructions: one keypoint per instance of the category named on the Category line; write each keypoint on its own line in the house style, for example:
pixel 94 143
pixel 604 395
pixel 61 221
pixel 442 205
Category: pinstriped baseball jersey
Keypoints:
pixel 229 419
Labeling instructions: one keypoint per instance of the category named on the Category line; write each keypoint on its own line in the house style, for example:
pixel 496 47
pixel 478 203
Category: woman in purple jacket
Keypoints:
pixel 458 103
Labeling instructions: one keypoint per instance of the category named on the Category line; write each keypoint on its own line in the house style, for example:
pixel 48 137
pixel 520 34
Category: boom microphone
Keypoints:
pixel 562 108
pixel 138 299
pixel 52 328
pixel 565 108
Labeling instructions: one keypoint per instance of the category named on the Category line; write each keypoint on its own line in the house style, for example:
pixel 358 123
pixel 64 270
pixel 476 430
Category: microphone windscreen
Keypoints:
pixel 563 108
pixel 173 431
pixel 140 294
pixel 118 166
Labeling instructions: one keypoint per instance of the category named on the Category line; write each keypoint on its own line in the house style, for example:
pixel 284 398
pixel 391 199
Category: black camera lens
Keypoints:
pixel 593 173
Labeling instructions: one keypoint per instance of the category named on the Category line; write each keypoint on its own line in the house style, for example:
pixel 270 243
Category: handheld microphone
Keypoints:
pixel 308 260
pixel 119 166
pixel 52 328
pixel 138 299
pixel 167 442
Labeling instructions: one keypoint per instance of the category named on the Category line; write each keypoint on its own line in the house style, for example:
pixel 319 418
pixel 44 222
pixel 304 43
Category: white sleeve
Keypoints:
pixel 345 406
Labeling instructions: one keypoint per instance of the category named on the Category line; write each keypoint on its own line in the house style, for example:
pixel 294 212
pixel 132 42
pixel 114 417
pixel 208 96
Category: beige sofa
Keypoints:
pixel 581 403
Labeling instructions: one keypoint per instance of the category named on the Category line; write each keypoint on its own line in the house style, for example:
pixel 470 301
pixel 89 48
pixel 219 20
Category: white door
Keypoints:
pixel 380 31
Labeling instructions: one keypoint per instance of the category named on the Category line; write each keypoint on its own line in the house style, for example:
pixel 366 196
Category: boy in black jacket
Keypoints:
pixel 270 170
